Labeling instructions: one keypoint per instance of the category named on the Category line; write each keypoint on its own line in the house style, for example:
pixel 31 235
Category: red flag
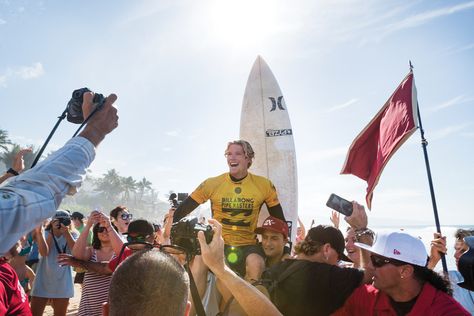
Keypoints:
pixel 379 140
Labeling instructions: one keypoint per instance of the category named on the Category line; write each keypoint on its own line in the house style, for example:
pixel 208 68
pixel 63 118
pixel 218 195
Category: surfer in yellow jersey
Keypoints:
pixel 236 199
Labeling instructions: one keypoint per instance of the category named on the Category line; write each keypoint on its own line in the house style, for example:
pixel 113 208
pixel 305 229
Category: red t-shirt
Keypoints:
pixel 366 300
pixel 117 260
pixel 13 299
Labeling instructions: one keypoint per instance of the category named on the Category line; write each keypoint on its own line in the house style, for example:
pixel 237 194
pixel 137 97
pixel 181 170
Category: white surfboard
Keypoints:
pixel 265 123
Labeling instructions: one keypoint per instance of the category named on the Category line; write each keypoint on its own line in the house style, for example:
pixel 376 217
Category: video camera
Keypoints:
pixel 184 234
pixel 177 199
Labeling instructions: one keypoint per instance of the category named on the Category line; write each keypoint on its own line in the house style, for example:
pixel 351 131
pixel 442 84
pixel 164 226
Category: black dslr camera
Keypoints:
pixel 184 234
pixel 74 106
pixel 63 220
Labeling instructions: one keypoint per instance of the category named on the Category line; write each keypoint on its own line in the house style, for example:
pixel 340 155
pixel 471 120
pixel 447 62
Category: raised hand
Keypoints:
pixel 18 162
pixel 438 247
pixel 335 219
pixel 103 122
pixel 213 253
pixel 358 220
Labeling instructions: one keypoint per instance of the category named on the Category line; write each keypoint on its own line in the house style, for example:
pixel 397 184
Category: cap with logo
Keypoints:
pixel 328 235
pixel 400 246
pixel 273 224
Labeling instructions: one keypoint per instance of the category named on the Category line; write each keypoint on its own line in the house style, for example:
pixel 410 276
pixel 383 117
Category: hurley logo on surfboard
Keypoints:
pixel 276 103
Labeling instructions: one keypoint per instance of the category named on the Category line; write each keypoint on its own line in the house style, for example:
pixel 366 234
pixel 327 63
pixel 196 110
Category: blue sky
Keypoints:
pixel 180 70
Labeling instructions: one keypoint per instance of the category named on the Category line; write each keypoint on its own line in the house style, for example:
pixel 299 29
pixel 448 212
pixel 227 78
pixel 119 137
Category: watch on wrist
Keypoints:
pixel 362 232
pixel 12 171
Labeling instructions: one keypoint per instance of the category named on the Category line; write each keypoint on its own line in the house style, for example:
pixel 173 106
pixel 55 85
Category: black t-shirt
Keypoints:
pixel 314 288
pixel 403 308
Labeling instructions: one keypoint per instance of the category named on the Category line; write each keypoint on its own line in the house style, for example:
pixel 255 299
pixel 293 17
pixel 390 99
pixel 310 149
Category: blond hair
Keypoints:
pixel 248 150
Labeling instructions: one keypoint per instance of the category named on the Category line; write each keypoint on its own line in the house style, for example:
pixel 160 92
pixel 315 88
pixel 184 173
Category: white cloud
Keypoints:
pixel 343 105
pixel 34 71
pixel 2 22
pixel 30 72
pixel 455 50
pixel 425 17
pixel 174 133
pixel 460 99
pixel 448 130
pixel 166 149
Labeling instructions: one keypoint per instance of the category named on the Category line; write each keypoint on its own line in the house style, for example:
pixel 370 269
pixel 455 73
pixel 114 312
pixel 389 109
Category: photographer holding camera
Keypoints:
pixel 34 195
pixel 52 280
pixel 28 199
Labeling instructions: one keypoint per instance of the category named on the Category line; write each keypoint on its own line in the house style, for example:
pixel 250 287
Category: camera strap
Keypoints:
pixel 40 152
pixel 57 245
pixel 194 293
pixel 85 121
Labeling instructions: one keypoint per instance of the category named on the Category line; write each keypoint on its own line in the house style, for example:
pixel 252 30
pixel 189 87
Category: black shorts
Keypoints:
pixel 235 256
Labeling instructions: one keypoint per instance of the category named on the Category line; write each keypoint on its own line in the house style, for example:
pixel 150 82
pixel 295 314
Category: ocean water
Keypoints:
pixel 425 233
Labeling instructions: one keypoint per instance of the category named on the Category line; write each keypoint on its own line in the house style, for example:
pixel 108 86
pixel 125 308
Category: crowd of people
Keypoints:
pixel 228 265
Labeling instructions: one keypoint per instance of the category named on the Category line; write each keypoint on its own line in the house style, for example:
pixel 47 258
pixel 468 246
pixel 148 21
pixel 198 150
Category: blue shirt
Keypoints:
pixel 53 280
pixel 35 195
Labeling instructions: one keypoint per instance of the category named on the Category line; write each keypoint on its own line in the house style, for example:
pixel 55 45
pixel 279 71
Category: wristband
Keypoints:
pixel 12 171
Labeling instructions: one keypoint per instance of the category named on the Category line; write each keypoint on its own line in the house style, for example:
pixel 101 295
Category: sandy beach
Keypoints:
pixel 73 307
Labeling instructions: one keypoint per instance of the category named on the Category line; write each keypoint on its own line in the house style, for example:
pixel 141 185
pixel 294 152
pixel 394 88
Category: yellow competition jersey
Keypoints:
pixel 236 205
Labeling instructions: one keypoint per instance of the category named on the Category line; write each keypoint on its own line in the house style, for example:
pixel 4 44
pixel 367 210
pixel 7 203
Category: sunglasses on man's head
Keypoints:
pixel 138 238
pixel 379 261
pixel 126 216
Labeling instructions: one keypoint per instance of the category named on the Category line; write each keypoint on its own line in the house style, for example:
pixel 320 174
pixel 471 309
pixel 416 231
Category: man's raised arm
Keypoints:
pixel 34 195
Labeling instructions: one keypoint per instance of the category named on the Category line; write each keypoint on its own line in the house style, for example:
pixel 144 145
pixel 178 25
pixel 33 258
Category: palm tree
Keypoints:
pixel 4 140
pixel 143 185
pixel 128 185
pixel 110 185
pixel 8 156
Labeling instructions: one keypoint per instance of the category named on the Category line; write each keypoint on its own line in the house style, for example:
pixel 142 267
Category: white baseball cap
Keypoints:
pixel 399 246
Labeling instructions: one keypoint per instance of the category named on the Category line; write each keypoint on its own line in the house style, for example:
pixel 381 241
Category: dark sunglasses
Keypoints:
pixel 101 229
pixel 139 238
pixel 379 261
pixel 177 252
pixel 126 216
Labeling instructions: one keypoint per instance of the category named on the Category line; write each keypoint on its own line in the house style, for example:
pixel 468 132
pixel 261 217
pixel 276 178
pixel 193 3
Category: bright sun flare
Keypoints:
pixel 243 22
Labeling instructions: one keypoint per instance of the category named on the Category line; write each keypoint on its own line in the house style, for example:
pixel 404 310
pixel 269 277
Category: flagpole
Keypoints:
pixel 424 143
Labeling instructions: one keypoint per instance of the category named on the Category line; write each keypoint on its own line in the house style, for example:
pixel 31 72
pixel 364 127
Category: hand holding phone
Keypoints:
pixel 339 204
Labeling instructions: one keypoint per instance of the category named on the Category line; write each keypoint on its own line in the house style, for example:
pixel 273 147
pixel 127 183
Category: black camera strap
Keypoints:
pixel 38 155
pixel 57 245
pixel 60 118
pixel 85 121
pixel 194 293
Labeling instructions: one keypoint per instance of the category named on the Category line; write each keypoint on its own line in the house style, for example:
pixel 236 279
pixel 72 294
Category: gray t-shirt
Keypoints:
pixel 52 280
